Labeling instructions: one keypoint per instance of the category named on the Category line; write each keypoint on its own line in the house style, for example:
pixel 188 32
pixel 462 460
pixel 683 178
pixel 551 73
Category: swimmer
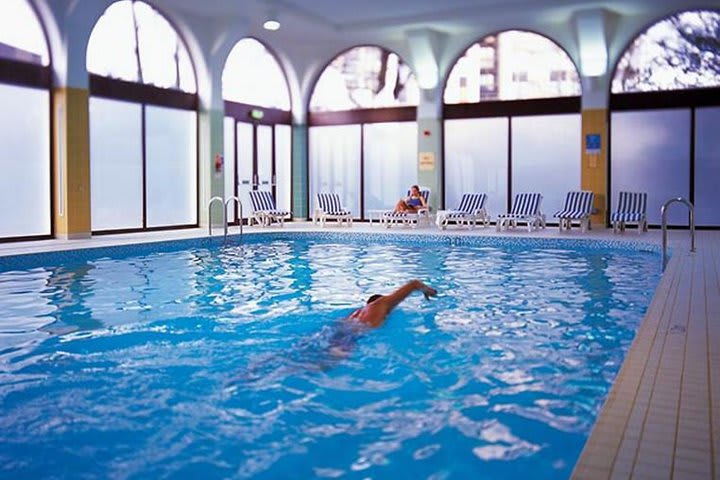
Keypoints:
pixel 378 307
pixel 372 315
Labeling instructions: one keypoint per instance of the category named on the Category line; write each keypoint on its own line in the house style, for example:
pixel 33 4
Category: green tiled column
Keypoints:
pixel 300 172
pixel 211 143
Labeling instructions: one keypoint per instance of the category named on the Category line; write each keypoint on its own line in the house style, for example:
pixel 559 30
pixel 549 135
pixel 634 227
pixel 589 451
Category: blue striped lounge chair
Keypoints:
pixel 264 210
pixel 578 207
pixel 525 209
pixel 631 209
pixel 470 210
pixel 413 219
pixel 330 207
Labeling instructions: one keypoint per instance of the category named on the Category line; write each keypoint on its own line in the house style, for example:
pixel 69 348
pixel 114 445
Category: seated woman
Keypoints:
pixel 414 202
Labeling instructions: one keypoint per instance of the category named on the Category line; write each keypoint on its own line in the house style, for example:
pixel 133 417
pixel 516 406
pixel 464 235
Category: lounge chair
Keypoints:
pixel 413 219
pixel 264 210
pixel 470 210
pixel 632 208
pixel 526 209
pixel 330 207
pixel 578 207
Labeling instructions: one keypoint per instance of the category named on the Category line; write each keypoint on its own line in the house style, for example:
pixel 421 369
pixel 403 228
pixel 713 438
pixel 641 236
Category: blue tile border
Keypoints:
pixel 33 260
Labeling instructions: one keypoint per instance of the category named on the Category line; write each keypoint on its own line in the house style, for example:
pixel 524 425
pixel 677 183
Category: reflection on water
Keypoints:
pixel 236 362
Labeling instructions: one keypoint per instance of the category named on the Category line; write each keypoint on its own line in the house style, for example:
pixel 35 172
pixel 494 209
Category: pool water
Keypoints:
pixel 218 362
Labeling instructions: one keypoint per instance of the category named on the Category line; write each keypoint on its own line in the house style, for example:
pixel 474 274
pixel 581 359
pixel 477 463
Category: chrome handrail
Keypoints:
pixel 210 204
pixel 240 211
pixel 663 214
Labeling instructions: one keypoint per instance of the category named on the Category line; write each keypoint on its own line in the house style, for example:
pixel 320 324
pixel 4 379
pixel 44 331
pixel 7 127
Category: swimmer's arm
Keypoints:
pixel 392 300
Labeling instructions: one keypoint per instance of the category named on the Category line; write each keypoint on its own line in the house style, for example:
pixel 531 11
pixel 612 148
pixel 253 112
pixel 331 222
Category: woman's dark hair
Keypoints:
pixel 415 187
pixel 373 298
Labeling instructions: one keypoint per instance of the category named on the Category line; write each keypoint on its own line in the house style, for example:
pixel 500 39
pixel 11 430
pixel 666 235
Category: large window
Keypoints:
pixel 258 145
pixel 133 42
pixel 512 65
pixel 363 133
pixel 512 122
pixel 24 124
pixel 651 153
pixel 143 137
pixel 365 77
pixel 665 101
pixel 679 52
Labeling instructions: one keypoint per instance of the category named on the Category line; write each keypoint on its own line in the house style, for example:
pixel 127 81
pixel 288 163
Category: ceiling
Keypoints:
pixel 449 16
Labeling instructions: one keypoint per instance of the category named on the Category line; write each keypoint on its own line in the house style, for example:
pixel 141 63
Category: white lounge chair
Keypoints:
pixel 525 209
pixel 330 207
pixel 578 207
pixel 264 210
pixel 470 211
pixel 413 219
pixel 631 209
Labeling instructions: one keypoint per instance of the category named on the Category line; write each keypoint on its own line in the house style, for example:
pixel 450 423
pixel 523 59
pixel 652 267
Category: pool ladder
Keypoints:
pixel 663 214
pixel 224 204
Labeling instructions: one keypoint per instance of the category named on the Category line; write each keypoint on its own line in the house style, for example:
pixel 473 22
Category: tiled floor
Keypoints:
pixel 662 417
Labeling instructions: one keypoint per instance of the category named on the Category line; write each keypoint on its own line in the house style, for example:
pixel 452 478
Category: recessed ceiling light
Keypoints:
pixel 271 25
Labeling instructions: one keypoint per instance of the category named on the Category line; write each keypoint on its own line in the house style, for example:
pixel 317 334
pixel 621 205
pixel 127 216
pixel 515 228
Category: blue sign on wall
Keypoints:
pixel 592 143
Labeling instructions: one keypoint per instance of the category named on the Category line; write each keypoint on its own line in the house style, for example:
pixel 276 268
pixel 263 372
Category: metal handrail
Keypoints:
pixel 663 214
pixel 210 204
pixel 240 212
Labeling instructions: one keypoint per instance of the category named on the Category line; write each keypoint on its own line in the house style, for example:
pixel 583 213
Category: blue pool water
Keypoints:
pixel 188 360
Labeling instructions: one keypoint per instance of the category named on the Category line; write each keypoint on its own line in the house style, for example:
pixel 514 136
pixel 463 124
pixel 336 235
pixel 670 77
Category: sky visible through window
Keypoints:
pixel 680 52
pixel 365 77
pixel 253 76
pixel 132 41
pixel 21 36
pixel 512 65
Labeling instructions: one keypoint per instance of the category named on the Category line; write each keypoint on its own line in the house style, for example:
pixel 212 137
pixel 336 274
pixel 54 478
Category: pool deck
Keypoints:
pixel 662 417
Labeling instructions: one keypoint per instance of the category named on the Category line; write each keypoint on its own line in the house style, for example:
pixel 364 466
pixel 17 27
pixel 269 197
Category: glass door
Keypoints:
pixel 260 150
pixel 265 171
pixel 244 155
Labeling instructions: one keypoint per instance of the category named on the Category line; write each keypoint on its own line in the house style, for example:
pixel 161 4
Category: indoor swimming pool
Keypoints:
pixel 193 358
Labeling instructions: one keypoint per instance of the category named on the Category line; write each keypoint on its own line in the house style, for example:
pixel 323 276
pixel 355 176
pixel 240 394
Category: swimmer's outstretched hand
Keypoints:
pixel 426 290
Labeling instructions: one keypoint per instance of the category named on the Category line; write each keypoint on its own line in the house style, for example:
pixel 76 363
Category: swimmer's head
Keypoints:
pixel 373 298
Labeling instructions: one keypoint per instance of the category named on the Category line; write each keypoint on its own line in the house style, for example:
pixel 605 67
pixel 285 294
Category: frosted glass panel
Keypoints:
pixel 334 164
pixel 283 165
pixel 650 152
pixel 24 161
pixel 546 158
pixel 476 159
pixel 707 167
pixel 229 163
pixel 171 166
pixel 390 162
pixel 116 193
pixel 245 145
pixel 264 156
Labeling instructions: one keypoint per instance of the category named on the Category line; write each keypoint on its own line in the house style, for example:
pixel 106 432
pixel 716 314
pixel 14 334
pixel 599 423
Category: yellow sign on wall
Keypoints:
pixel 426 161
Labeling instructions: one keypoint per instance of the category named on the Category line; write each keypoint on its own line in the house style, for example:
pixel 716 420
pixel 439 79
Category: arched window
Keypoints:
pixel 665 108
pixel 512 115
pixel 143 122
pixel 132 41
pixel 679 52
pixel 363 119
pixel 253 76
pixel 512 65
pixel 21 36
pixel 257 133
pixel 365 77
pixel 24 124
